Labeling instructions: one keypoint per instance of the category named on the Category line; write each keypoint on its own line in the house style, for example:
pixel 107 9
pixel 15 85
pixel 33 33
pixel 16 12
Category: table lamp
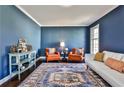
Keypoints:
pixel 62 45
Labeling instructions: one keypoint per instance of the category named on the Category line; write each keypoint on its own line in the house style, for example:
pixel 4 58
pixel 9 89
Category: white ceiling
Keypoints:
pixel 60 15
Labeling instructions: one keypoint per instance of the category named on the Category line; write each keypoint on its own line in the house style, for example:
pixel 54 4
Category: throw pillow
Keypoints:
pixel 99 57
pixel 80 50
pixel 115 64
pixel 107 54
pixel 52 50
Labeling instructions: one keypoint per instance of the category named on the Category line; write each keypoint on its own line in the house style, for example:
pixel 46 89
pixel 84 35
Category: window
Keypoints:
pixel 94 39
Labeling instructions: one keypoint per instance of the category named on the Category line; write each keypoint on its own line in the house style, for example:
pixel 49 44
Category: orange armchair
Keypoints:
pixel 52 55
pixel 77 54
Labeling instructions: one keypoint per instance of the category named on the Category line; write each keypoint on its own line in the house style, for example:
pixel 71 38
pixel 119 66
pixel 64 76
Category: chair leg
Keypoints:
pixel 87 67
pixel 47 60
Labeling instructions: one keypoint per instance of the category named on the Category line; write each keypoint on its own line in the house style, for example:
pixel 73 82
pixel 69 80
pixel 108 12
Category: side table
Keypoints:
pixel 64 57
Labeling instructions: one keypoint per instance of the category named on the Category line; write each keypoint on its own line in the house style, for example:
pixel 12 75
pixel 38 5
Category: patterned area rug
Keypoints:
pixel 63 75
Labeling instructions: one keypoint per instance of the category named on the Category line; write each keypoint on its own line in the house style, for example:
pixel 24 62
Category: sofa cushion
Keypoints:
pixel 99 57
pixel 115 64
pixel 114 55
pixel 53 55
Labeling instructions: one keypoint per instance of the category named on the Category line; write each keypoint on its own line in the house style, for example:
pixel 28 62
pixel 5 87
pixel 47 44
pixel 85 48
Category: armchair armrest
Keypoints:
pixel 89 57
pixel 47 54
pixel 70 53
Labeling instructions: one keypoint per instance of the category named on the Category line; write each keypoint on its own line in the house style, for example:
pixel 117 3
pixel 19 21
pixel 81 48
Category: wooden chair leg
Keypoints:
pixel 87 67
pixel 47 60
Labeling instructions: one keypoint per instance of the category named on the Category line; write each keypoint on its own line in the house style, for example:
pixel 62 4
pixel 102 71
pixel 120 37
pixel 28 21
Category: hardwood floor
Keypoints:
pixel 14 82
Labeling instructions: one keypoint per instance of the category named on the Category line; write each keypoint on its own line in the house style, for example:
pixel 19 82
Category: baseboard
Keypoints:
pixel 5 79
pixel 43 57
pixel 38 58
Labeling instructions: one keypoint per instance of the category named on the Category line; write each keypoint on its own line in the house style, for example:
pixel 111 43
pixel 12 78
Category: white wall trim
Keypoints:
pixel 38 59
pixel 91 36
pixel 26 13
pixel 43 57
pixel 5 79
pixel 64 25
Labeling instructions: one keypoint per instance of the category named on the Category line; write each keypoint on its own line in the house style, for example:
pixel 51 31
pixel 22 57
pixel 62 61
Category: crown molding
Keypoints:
pixel 64 25
pixel 107 12
pixel 26 13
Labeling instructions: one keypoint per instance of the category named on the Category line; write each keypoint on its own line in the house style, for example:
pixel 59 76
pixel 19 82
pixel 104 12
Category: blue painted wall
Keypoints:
pixel 74 37
pixel 112 30
pixel 14 25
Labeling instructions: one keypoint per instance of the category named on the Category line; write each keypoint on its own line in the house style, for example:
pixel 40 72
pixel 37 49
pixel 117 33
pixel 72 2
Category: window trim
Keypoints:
pixel 92 39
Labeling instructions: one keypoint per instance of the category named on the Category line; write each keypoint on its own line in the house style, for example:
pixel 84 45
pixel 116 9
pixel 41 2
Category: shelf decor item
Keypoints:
pixel 29 47
pixel 20 47
pixel 13 49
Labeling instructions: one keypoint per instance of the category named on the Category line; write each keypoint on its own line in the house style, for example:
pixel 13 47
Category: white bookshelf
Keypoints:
pixel 20 62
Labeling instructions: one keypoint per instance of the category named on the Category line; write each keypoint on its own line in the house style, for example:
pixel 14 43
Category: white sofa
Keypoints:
pixel 113 77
